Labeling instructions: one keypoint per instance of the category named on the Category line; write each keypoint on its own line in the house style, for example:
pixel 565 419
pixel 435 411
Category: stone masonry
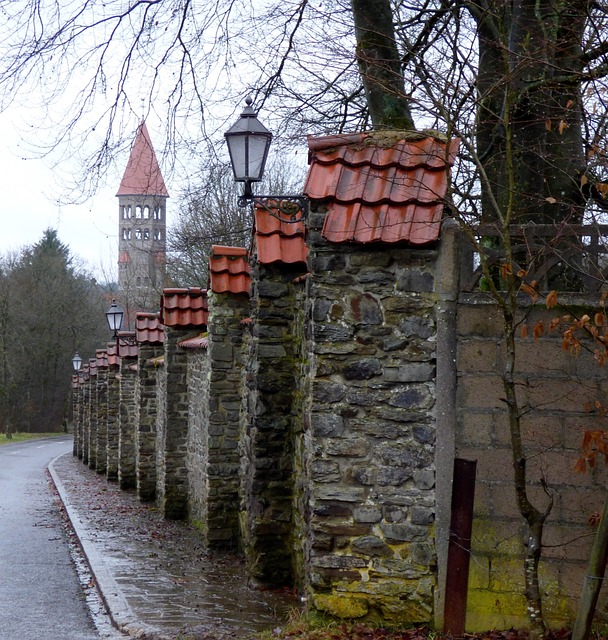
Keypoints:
pixel 372 422
pixel 271 421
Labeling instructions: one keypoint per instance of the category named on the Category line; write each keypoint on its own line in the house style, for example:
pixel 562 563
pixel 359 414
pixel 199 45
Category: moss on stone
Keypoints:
pixel 342 606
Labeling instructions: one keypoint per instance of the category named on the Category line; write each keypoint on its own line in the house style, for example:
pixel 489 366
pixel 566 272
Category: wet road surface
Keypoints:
pixel 40 594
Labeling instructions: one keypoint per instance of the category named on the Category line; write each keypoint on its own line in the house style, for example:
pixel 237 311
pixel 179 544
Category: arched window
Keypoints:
pixel 138 234
pixel 146 234
pixel 156 234
pixel 138 211
pixel 158 213
pixel 126 234
pixel 138 282
pixel 146 212
pixel 126 212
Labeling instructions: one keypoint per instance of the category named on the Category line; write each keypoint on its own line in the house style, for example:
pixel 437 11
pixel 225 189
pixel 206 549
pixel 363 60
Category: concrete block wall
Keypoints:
pixel 554 390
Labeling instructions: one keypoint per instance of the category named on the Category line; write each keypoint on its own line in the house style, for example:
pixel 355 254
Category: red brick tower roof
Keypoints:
pixel 142 175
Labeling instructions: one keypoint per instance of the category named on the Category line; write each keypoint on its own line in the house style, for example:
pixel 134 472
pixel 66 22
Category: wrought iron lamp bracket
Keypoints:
pixel 290 209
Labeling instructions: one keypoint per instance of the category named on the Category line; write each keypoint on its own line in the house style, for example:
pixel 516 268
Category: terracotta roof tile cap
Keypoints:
pixel 220 250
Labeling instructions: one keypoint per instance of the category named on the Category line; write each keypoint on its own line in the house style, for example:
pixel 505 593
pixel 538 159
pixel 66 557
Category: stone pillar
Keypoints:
pixel 148 366
pixel 223 372
pixel 127 428
pixel 113 421
pixel 75 414
pixel 93 419
pixel 174 501
pixel 198 432
pixel 372 423
pixel 161 427
pixel 86 414
pixel 272 421
pixel 102 413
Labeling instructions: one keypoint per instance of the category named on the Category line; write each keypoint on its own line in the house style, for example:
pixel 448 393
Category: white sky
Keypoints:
pixel 32 190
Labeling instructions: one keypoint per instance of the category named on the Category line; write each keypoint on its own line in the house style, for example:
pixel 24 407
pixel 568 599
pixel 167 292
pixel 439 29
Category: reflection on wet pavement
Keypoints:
pixel 169 579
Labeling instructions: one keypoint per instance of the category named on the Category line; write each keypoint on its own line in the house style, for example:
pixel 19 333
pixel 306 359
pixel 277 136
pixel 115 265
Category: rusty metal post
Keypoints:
pixel 459 550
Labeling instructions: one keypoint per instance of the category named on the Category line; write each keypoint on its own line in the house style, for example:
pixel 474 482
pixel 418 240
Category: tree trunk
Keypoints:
pixel 379 65
pixel 593 580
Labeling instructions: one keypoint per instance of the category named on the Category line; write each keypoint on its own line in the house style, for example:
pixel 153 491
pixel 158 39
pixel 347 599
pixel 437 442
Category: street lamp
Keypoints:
pixel 76 362
pixel 114 316
pixel 248 142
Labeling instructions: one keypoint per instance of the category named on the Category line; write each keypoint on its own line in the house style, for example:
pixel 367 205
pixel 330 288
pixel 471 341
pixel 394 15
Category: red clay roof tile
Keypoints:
pixel 229 270
pixel 113 359
pixel 142 175
pixel 198 342
pixel 127 347
pixel 148 328
pixel 279 241
pixel 92 366
pixel 102 358
pixel 184 307
pixel 380 193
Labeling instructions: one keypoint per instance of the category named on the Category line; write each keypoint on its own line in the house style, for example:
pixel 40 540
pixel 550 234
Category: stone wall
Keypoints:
pixel 174 445
pixel 273 417
pixel 226 315
pixel 127 427
pixel 113 423
pixel 372 468
pixel 161 429
pixel 147 404
pixel 554 389
pixel 102 420
pixel 198 436
pixel 318 429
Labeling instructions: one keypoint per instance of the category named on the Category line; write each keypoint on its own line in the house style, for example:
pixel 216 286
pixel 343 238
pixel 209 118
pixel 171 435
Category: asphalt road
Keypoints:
pixel 40 595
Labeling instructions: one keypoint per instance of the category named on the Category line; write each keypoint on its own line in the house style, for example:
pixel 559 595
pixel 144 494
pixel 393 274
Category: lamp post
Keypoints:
pixel 248 142
pixel 114 316
pixel 76 362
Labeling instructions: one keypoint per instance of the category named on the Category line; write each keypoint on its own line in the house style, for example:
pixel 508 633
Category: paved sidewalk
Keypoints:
pixel 154 575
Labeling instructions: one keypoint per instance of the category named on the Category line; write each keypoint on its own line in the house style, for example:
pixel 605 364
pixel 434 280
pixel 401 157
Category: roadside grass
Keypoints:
pixel 20 437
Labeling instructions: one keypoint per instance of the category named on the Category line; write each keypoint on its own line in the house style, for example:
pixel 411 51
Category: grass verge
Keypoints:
pixel 20 437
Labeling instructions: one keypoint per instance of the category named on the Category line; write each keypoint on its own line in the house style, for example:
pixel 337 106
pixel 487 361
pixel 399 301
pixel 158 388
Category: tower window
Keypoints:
pixel 146 234
pixel 138 234
pixel 126 234
pixel 138 212
pixel 158 234
pixel 126 212
pixel 146 212
pixel 138 283
pixel 158 213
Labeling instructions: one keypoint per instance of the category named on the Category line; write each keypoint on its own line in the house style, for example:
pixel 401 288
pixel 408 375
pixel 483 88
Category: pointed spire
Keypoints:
pixel 142 175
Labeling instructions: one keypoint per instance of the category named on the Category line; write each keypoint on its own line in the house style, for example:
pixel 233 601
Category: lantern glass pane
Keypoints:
pixel 236 147
pixel 114 316
pixel 258 148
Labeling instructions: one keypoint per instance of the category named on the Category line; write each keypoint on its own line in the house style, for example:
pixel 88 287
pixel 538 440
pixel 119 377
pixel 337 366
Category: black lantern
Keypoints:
pixel 76 362
pixel 248 143
pixel 114 316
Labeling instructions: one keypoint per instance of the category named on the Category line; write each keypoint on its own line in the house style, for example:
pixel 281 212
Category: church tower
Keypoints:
pixel 142 226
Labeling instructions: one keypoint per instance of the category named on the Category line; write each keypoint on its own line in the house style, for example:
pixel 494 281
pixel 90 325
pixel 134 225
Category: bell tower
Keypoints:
pixel 142 226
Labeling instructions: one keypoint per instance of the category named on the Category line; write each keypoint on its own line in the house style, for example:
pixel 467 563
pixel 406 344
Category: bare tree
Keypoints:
pixel 209 215
pixel 523 84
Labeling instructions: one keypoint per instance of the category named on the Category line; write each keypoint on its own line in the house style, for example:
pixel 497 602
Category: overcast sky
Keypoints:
pixel 32 190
